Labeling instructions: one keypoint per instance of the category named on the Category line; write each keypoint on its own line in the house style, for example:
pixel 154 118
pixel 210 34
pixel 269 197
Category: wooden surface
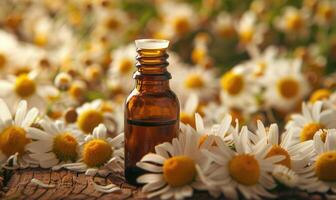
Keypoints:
pixel 72 185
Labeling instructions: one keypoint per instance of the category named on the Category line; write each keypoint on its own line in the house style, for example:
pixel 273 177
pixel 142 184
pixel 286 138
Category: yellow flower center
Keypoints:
pixel 65 147
pixel 125 66
pixel 232 83
pixel 246 36
pixel 194 81
pixel 3 60
pixel 309 131
pixel 97 152
pixel 326 12
pixel 288 88
pixel 320 94
pixel 198 55
pixel 24 86
pixel 179 171
pixel 89 119
pixel 41 39
pixel 276 150
pixel 76 91
pixel 294 22
pixel 187 119
pixel 325 166
pixel 13 140
pixel 237 114
pixel 244 169
pixel 181 25
pixel 112 23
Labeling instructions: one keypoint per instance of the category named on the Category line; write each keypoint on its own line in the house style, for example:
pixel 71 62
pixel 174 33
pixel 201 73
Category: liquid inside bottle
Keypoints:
pixel 152 109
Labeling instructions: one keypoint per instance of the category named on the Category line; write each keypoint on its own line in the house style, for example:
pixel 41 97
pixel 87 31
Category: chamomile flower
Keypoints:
pixel 320 175
pixel 14 137
pixel 99 153
pixel 249 31
pixel 325 12
pixel 234 165
pixel 293 21
pixel 313 118
pixel 284 84
pixel 177 23
pixel 223 130
pixel 297 155
pixel 27 87
pixel 55 144
pixel 197 81
pixel 173 171
pixel 238 89
pixel 91 114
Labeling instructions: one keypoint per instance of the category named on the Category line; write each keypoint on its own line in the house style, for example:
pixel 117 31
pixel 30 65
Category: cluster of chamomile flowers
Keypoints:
pixel 30 139
pixel 237 162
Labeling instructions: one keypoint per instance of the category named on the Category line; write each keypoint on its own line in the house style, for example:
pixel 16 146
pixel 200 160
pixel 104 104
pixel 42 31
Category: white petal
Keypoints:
pixel 30 117
pixel 5 114
pixel 41 146
pixel 20 113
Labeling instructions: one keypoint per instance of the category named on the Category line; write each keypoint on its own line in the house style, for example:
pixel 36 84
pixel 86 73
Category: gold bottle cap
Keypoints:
pixel 151 44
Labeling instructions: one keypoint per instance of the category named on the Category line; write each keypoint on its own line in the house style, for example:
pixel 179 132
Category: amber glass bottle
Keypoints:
pixel 152 108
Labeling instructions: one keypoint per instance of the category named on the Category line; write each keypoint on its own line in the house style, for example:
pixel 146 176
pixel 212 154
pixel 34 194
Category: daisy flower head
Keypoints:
pixel 249 31
pixel 27 87
pixel 195 80
pixel 320 175
pixel 238 89
pixel 99 153
pixel 173 171
pixel 285 84
pixel 325 13
pixel 293 21
pixel 313 118
pixel 178 23
pixel 234 165
pixel 54 144
pixel 91 114
pixel 296 155
pixel 224 25
pixel 14 128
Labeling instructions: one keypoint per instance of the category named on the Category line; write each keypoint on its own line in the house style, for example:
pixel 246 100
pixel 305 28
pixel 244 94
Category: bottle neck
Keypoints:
pixel 152 71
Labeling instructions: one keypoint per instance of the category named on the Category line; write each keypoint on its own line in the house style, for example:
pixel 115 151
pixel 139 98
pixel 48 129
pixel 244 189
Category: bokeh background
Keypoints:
pixel 255 59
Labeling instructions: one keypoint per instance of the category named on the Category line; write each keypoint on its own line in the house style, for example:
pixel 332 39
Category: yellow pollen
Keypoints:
pixel 89 119
pixel 244 169
pixel 288 88
pixel 325 166
pixel 320 94
pixel 187 119
pixel 24 86
pixel 96 153
pixel 309 131
pixel 194 81
pixel 65 147
pixel 181 25
pixel 232 83
pixel 294 22
pixel 13 140
pixel 276 150
pixel 3 61
pixel 125 66
pixel 179 171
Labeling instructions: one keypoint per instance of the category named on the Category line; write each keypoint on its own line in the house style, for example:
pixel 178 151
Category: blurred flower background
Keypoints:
pixel 233 63
pixel 253 59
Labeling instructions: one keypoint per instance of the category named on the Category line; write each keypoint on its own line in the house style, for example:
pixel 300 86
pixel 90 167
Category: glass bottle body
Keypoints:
pixel 151 112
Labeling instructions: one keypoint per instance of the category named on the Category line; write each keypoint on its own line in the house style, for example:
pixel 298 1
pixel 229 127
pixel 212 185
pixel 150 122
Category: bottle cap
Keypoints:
pixel 151 44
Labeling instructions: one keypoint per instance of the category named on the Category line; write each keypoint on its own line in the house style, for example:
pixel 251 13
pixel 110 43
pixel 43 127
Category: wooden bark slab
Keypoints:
pixel 76 186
